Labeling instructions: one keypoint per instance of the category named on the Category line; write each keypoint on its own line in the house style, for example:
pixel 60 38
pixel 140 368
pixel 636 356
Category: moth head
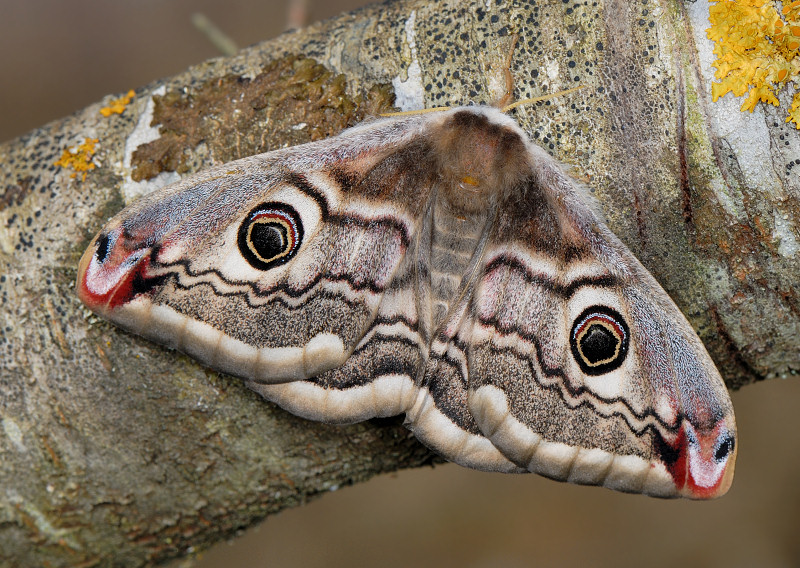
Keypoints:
pixel 482 156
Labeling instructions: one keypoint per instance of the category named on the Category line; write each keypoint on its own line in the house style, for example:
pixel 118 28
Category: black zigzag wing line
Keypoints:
pixel 319 293
pixel 545 282
pixel 245 286
pixel 388 321
pixel 386 338
pixel 584 395
pixel 400 367
pixel 300 182
pixel 163 269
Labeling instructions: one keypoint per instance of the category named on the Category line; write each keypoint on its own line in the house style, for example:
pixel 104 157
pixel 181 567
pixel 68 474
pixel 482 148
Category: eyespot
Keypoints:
pixel 270 235
pixel 101 252
pixel 599 340
pixel 724 448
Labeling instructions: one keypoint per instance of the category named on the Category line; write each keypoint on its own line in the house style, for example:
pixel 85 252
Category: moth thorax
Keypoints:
pixel 481 162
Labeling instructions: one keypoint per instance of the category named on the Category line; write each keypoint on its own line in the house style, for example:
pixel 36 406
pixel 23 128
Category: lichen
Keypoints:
pixel 78 159
pixel 757 51
pixel 118 106
pixel 293 100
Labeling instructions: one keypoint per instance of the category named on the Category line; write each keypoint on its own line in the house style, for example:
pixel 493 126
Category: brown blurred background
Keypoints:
pixel 59 56
pixel 56 57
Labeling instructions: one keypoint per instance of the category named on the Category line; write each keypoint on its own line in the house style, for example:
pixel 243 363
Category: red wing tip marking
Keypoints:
pixel 109 278
pixel 705 461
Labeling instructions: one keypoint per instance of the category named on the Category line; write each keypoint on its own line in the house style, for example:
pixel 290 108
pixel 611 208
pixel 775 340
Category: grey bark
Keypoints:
pixel 114 451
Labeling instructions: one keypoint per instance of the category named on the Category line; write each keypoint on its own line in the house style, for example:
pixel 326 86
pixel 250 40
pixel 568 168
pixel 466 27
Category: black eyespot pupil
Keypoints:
pixel 725 448
pixel 599 340
pixel 598 344
pixel 268 239
pixel 102 248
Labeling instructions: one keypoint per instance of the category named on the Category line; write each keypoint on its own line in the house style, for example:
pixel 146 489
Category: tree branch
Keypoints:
pixel 113 447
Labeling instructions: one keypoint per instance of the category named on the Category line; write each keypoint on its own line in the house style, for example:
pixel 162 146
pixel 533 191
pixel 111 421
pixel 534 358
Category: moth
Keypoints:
pixel 440 266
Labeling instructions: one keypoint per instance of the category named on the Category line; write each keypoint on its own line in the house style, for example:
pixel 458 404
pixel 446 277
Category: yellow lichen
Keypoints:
pixel 79 159
pixel 117 106
pixel 757 51
pixel 794 110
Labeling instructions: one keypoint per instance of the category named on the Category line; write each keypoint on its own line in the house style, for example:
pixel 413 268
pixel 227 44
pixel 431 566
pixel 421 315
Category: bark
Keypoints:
pixel 116 451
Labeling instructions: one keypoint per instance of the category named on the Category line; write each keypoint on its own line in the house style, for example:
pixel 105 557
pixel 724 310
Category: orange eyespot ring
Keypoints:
pixel 599 340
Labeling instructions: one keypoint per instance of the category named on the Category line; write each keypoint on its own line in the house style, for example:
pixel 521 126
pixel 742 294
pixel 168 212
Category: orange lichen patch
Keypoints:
pixel 79 159
pixel 757 50
pixel 794 110
pixel 793 6
pixel 118 106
